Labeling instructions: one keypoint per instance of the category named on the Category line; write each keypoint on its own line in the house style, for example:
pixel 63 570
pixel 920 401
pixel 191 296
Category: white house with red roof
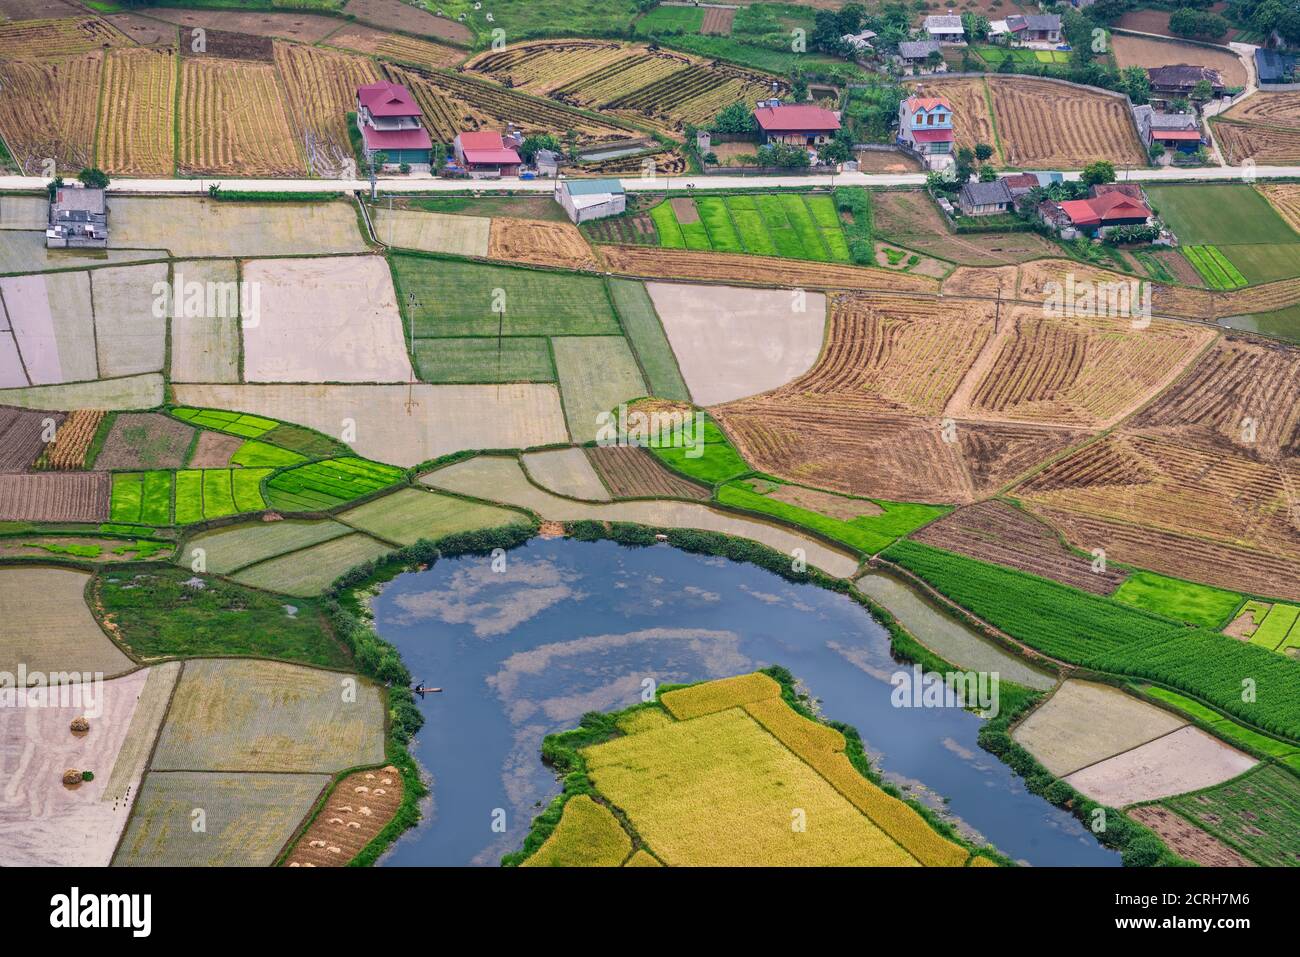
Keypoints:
pixel 486 154
pixel 925 128
pixel 1117 205
pixel 391 123
pixel 796 124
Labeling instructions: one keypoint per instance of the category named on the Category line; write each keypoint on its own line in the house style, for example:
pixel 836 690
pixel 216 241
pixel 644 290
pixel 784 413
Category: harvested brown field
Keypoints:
pixel 740 268
pixel 354 813
pixel 1175 484
pixel 39 9
pixel 144 30
pixel 885 161
pixel 54 497
pixel 1245 392
pixel 1049 125
pixel 1150 52
pixel 322 89
pixel 1285 198
pixel 1268 297
pixel 396 15
pixel 22 436
pixel 138 104
pixel 662 88
pixel 1186 839
pixel 56 38
pixel 630 472
pixel 1078 371
pixel 895 354
pixel 1268 109
pixel 666 163
pixel 213 450
pixel 842 507
pixel 456 102
pixel 718 21
pixel 232 46
pixel 911 219
pixel 395 47
pixel 1177 263
pixel 145 440
pixel 233 120
pixel 997 532
pixel 1263 145
pixel 984 281
pixel 71 442
pixel 303 27
pixel 46 112
pixel 541 242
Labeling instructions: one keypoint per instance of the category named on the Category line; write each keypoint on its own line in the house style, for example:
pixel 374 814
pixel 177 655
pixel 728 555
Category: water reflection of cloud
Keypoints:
pixel 492 602
pixel 716 651
pixel 864 660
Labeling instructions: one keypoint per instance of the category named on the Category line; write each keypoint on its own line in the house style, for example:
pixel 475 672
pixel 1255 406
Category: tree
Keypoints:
pixel 1102 171
pixel 983 151
pixel 976 26
pixel 798 87
pixel 529 148
pixel 93 177
pixel 781 155
pixel 1197 24
pixel 1202 92
pixel 934 59
pixel 53 186
pixel 571 143
pixel 850 18
pixel 1156 150
pixel 736 118
pixel 988 174
pixel 1108 11
pixel 1137 84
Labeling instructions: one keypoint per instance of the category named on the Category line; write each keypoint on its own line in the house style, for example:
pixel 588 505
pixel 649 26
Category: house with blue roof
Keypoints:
pixel 585 199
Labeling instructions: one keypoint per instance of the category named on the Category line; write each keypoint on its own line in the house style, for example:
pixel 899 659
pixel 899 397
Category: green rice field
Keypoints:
pixel 646 334
pixel 1214 267
pixel 484 359
pixel 318 486
pixel 1257 813
pixel 1178 599
pixel 790 225
pixel 236 423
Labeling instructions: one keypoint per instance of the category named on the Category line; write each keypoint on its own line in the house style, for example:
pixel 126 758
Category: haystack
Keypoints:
pixel 79 726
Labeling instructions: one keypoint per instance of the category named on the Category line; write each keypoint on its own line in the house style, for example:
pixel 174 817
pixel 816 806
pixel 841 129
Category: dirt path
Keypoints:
pixel 959 404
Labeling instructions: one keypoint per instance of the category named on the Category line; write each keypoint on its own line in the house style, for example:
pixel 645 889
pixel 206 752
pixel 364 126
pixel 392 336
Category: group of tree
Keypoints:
pixel 91 176
pixel 1197 24
pixel 1267 16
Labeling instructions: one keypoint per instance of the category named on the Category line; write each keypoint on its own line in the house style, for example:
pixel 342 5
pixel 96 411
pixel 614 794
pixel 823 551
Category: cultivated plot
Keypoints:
pixel 205 329
pixel 324 320
pixel 239 715
pixel 312 570
pixel 130 333
pixel 232 547
pixel 596 373
pixel 48 627
pixel 52 323
pixel 410 514
pixel 44 822
pixel 432 232
pixel 54 497
pixel 731 343
pixel 566 472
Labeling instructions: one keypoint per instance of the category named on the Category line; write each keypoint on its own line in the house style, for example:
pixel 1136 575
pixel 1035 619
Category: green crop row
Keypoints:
pixel 790 225
pixel 323 485
pixel 1214 267
pixel 236 423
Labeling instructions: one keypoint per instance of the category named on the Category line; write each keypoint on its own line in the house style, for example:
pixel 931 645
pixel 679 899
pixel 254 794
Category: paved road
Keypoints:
pixel 426 184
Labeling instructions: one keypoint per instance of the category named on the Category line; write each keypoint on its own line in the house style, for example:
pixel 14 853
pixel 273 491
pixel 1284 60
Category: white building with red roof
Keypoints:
pixel 796 124
pixel 925 128
pixel 391 123
pixel 487 153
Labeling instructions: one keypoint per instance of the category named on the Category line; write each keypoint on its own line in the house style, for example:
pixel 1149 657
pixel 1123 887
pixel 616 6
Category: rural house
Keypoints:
pixel 390 122
pixel 799 124
pixel 860 41
pixel 1106 208
pixel 487 154
pixel 1174 131
pixel 1274 67
pixel 916 54
pixel 945 29
pixel 78 218
pixel 1180 80
pixel 985 199
pixel 1035 27
pixel 585 199
pixel 925 128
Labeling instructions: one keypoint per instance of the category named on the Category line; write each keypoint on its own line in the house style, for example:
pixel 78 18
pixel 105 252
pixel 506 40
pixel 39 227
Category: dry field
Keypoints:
pixel 432 232
pixel 731 343
pixel 47 112
pixel 1076 371
pixel 354 814
pixel 1050 125
pixel 455 102
pixel 1263 145
pixel 395 47
pixel 205 347
pixel 1285 198
pixel 138 100
pixel 42 822
pixel 501 479
pixel 322 89
pixel 56 38
pixel 635 473
pixel 233 120
pixel 48 627
pixel 444 418
pixel 1186 839
pixel 540 242
pixel 739 268
pixel 303 27
pixel 72 441
pixel 21 436
pixel 987 282
pixel 565 472
pixel 911 219
pixel 232 714
pixel 660 87
pixel 1149 52
pixel 397 15
pixel 331 319
pixel 1186 760
pixel 1083 723
pixel 54 497
pixel 1268 109
pixel 666 162
pixel 144 440
pixel 144 30
pixel 1003 534
pixel 132 392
